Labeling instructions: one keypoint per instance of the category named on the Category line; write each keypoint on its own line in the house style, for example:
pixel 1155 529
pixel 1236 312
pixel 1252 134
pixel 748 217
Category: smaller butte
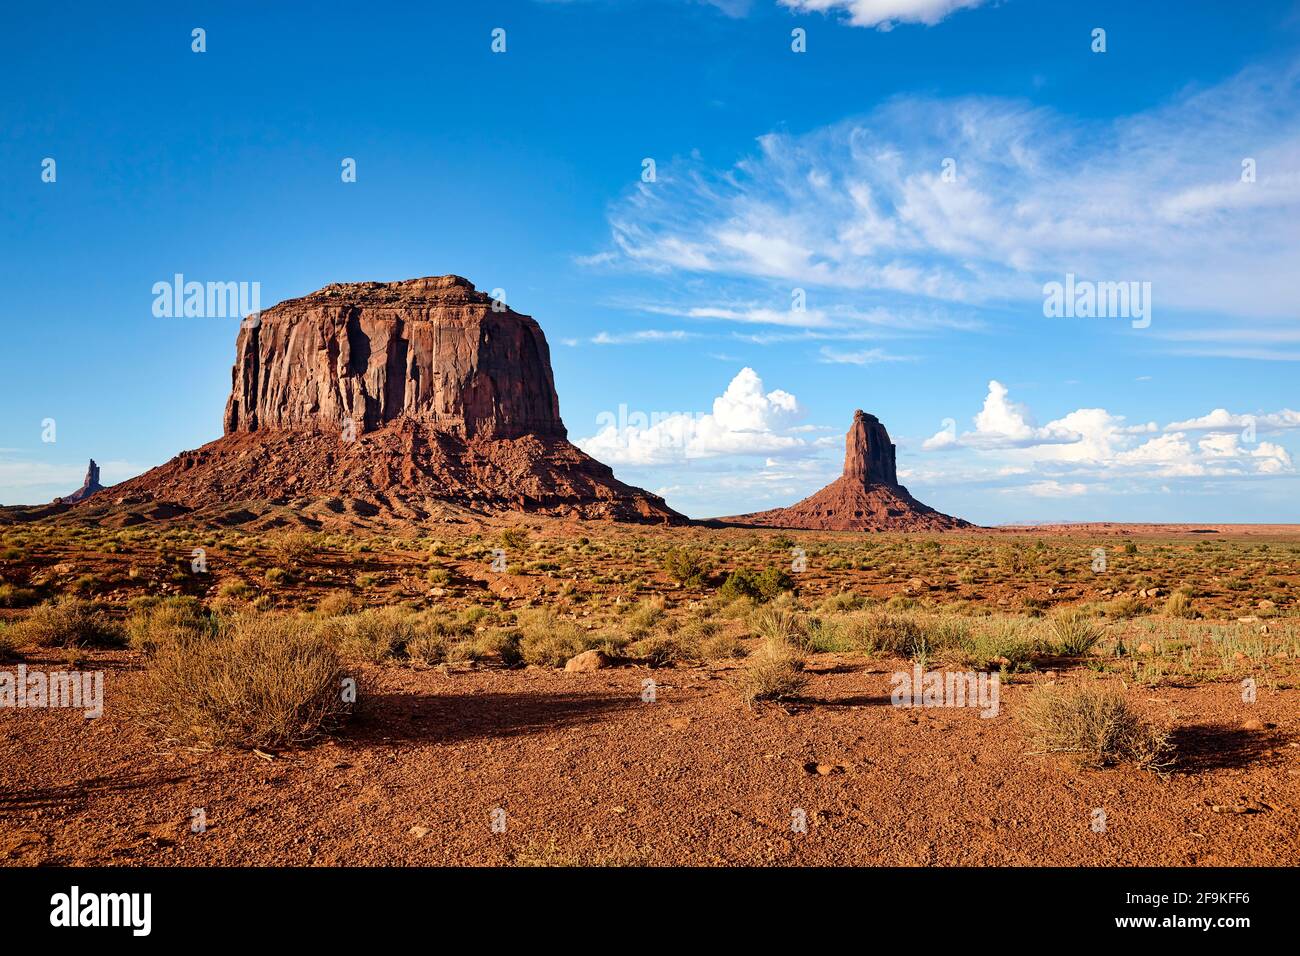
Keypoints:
pixel 866 497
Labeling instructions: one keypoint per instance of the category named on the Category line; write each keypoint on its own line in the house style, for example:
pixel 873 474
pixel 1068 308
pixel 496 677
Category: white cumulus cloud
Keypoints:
pixel 745 419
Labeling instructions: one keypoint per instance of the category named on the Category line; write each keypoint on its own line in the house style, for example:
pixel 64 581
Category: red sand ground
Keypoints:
pixel 588 773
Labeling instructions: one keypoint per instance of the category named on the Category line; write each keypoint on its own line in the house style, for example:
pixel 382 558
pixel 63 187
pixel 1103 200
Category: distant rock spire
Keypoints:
pixel 89 486
pixel 867 497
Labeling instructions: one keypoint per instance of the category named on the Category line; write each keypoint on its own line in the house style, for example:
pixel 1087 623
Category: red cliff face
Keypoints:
pixel 866 497
pixel 431 350
pixel 868 452
pixel 392 400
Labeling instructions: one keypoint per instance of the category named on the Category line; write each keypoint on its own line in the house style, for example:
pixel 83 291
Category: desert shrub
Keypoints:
pixel 1074 634
pixel 1122 608
pixel 842 602
pixel 13 596
pixel 428 647
pixel 827 634
pixel 721 646
pixel 293 547
pixel 739 584
pixel 549 641
pixel 234 590
pixel 686 566
pixel 372 636
pixel 772 582
pixel 662 650
pixel 758 585
pixel 336 603
pixel 66 623
pixel 773 672
pixel 277 576
pixel 1179 604
pixel 435 637
pixel 514 539
pixel 1095 724
pixel 645 615
pixel 438 576
pixel 1005 641
pixel 260 681
pixel 900 634
pixel 158 621
pixel 8 644
pixel 780 624
pixel 1014 558
pixel 503 643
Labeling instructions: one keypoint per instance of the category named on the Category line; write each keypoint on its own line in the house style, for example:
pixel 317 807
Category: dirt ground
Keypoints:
pixel 587 772
pixel 479 764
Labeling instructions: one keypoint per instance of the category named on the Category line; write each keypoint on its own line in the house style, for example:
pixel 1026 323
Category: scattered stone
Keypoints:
pixel 587 661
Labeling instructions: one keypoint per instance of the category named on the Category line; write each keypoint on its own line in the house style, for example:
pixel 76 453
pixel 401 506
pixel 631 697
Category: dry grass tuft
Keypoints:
pixel 67 623
pixel 155 622
pixel 1075 635
pixel 1097 725
pixel 773 672
pixel 260 681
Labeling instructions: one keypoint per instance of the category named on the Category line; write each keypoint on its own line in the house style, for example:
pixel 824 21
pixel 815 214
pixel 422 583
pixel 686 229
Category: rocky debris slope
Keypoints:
pixel 393 398
pixel 866 497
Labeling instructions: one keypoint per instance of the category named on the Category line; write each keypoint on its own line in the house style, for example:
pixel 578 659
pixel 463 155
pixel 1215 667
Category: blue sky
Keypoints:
pixel 775 171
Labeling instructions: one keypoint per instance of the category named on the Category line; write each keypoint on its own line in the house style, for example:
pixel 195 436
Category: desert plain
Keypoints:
pixel 731 701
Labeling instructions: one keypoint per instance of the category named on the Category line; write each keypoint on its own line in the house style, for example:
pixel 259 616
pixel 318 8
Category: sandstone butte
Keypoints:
pixel 389 400
pixel 866 497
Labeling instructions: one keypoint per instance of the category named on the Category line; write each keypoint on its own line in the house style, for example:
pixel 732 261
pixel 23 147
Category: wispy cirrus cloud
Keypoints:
pixel 977 201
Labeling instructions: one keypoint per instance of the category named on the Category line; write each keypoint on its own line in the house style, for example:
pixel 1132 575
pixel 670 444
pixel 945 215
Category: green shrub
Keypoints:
pixel 756 585
pixel 686 566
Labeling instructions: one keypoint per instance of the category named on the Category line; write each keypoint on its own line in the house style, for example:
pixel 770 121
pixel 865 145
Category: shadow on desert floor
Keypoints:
pixel 1203 747
pixel 452 718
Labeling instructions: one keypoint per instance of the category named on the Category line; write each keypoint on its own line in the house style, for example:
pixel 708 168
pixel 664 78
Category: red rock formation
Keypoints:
pixel 866 497
pixel 392 398
pixel 88 487
pixel 427 350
